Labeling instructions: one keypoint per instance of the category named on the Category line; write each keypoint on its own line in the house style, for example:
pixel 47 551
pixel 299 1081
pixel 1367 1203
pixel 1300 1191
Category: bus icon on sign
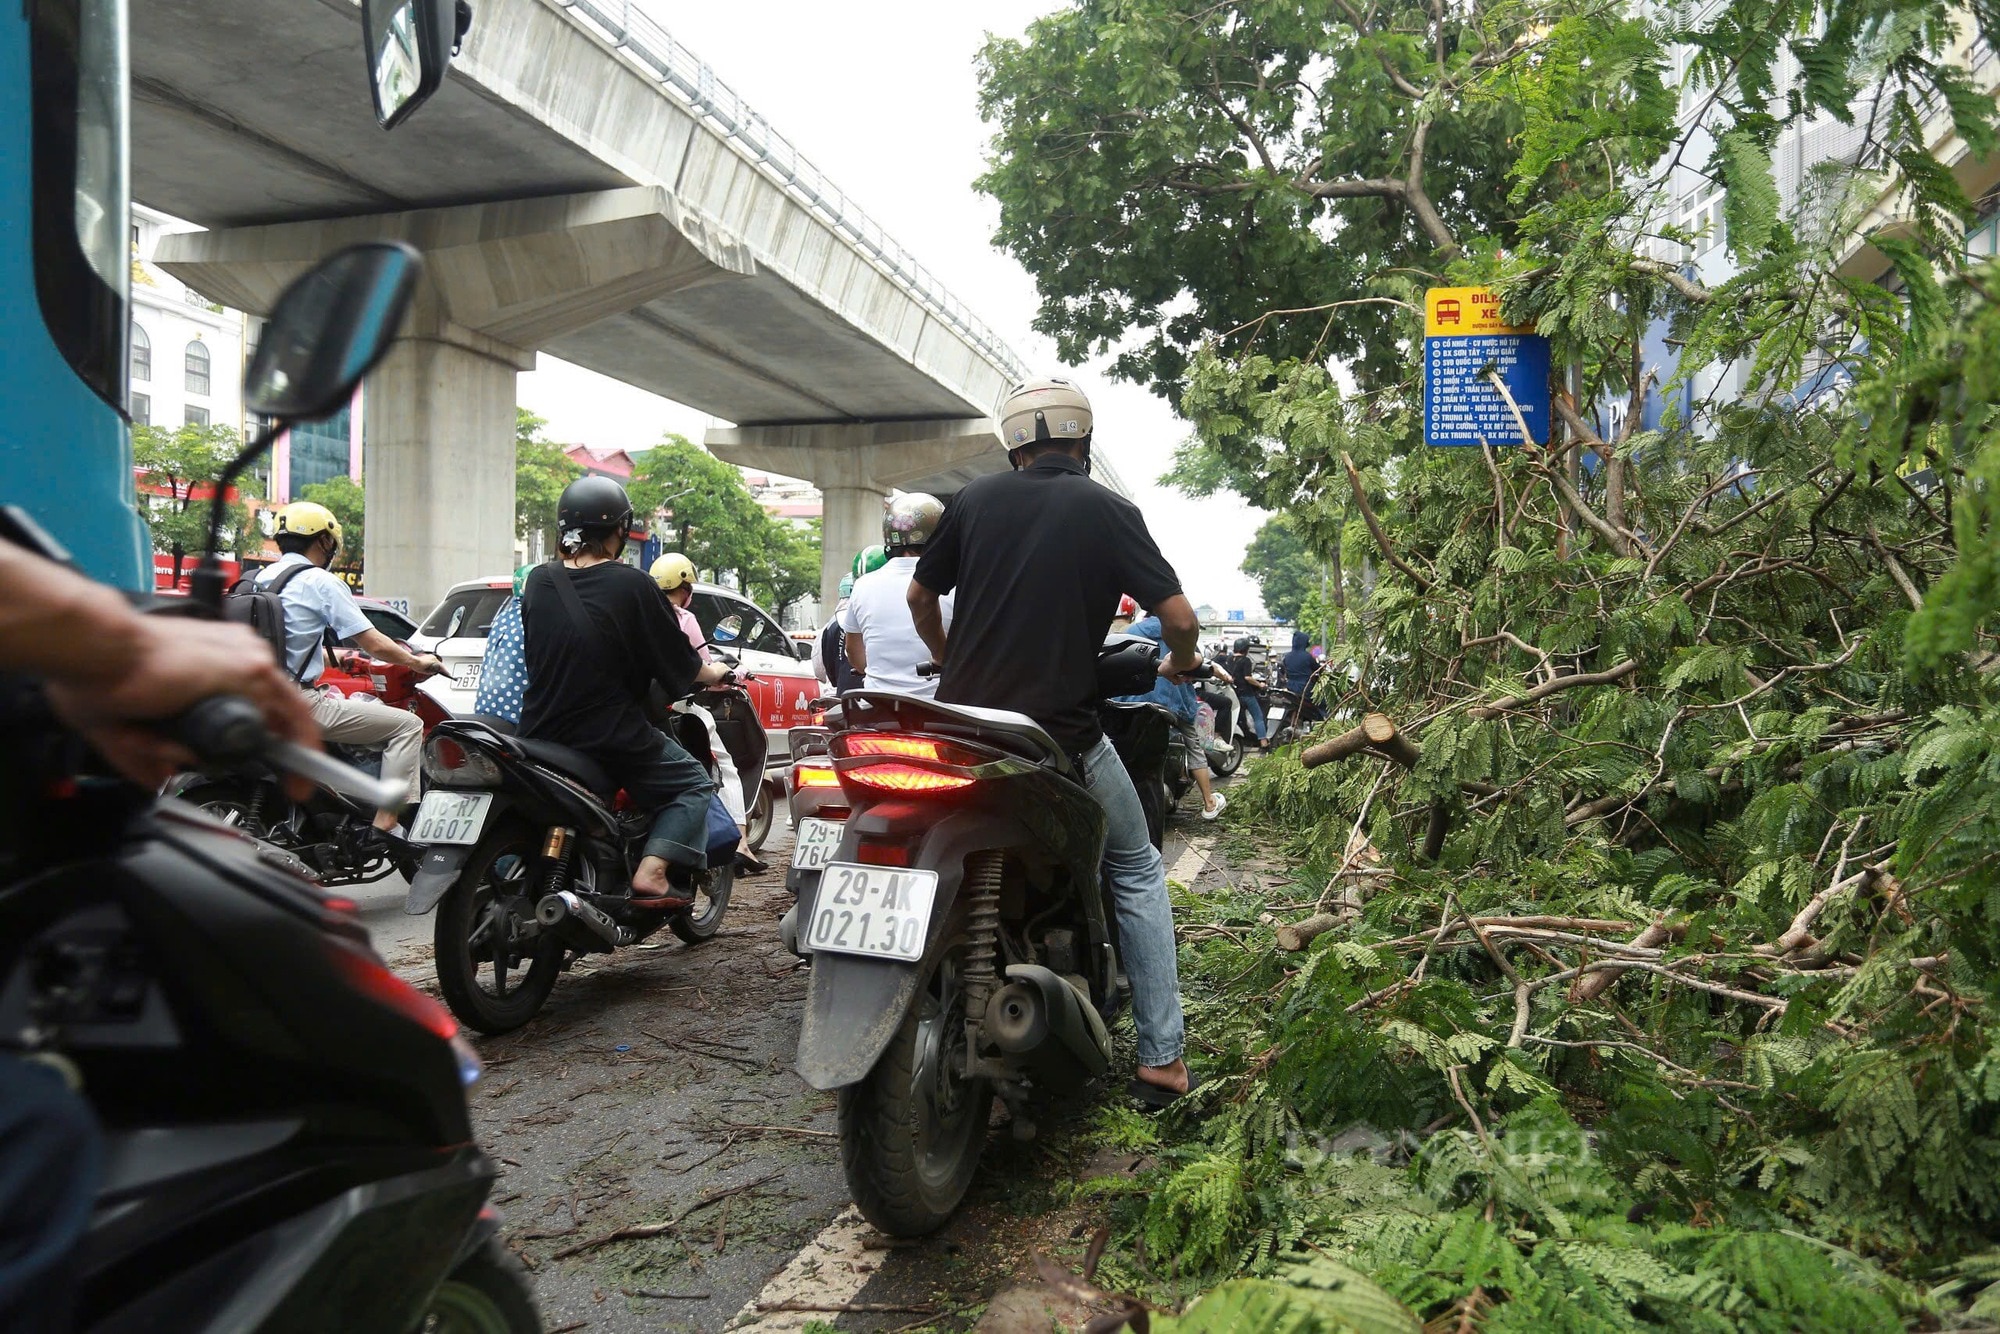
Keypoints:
pixel 1447 311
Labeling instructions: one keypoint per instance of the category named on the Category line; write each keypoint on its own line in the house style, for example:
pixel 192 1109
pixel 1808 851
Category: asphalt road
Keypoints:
pixel 656 1088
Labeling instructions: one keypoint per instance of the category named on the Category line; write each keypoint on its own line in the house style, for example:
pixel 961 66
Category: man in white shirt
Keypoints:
pixel 881 638
pixel 318 605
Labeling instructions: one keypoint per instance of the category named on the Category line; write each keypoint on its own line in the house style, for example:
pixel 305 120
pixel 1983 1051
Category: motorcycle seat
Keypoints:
pixel 574 763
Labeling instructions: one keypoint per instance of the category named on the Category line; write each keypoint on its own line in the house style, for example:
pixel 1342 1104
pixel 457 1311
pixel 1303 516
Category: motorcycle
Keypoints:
pixel 288 1145
pixel 526 851
pixel 815 802
pixel 962 940
pixel 1225 751
pixel 743 736
pixel 333 835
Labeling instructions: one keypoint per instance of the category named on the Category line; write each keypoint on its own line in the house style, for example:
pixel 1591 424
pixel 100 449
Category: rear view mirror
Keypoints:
pixel 727 629
pixel 329 329
pixel 408 44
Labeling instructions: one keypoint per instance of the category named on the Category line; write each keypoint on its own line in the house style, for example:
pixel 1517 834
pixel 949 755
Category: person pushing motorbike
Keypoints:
pixel 1038 558
pixel 598 634
pixel 881 639
pixel 319 605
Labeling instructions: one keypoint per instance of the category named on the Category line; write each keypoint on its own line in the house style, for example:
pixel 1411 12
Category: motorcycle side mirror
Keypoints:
pixel 326 332
pixel 727 629
pixel 408 45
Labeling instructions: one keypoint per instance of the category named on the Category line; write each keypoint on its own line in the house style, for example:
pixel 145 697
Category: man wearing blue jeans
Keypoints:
pixel 1036 561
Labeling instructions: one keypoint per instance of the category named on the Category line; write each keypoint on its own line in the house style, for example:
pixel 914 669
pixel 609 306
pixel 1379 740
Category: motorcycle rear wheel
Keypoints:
pixel 493 896
pixel 488 1293
pixel 760 818
pixel 704 919
pixel 912 1131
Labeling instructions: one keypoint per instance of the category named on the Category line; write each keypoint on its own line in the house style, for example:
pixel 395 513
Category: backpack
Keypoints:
pixel 260 607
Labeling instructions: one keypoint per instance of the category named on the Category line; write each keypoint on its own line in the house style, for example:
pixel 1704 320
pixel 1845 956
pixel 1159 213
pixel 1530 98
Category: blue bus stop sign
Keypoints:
pixel 1465 347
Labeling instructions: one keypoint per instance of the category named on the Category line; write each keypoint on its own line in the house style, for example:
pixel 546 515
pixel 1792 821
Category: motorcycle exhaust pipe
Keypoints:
pixel 564 906
pixel 1040 1023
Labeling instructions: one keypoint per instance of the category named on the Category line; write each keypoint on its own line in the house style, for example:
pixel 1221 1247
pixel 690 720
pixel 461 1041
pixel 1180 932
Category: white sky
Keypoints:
pixel 883 97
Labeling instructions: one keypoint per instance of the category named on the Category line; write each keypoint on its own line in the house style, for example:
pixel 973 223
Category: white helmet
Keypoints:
pixel 1043 410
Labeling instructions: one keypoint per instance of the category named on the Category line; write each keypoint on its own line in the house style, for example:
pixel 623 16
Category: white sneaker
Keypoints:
pixel 1210 813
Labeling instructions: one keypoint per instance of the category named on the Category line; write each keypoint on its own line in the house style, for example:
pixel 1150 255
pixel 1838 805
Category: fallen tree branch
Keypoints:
pixel 1377 732
pixel 1541 692
pixel 1375 525
pixel 643 1230
pixel 1295 936
pixel 1588 989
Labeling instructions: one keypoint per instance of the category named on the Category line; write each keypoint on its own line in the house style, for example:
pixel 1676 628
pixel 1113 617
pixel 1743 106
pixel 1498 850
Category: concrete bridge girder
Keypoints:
pixel 500 280
pixel 856 465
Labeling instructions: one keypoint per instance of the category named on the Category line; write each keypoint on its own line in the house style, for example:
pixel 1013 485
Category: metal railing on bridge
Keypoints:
pixel 687 78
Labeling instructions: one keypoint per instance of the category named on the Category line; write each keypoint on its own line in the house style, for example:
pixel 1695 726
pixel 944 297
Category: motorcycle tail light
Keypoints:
pixel 814 775
pixel 883 854
pixel 370 977
pixel 456 765
pixel 850 745
pixel 889 776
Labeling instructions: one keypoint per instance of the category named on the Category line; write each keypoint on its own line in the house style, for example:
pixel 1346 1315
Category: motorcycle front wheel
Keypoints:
pixel 911 1132
pixel 487 1294
pixel 711 901
pixel 1228 761
pixel 494 975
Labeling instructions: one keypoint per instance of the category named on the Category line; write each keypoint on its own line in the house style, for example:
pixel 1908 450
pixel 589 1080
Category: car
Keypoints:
pixel 782 685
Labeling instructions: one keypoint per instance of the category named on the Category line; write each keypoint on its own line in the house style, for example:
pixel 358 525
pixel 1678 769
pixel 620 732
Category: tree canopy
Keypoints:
pixel 180 468
pixel 349 503
pixel 1700 691
pixel 541 471
pixel 705 511
pixel 1285 571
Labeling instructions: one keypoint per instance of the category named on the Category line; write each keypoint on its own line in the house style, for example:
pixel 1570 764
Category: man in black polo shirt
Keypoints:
pixel 1037 560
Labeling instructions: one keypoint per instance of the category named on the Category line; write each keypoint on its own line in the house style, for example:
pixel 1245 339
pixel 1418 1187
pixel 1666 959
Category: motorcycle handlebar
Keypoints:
pixel 928 669
pixel 227 729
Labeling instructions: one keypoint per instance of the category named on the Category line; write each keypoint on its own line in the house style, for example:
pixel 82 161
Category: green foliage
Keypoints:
pixel 1285 571
pixel 176 475
pixel 541 471
pixel 1789 745
pixel 705 511
pixel 348 501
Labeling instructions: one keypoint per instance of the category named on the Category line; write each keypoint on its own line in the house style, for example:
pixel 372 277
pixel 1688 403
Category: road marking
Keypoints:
pixel 1192 862
pixel 828 1271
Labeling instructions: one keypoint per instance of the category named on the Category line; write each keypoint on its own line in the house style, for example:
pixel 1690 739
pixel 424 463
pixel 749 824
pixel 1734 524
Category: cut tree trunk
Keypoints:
pixel 1295 936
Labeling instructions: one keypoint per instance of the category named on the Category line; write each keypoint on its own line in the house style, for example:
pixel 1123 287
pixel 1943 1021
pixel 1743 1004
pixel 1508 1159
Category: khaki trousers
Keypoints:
pixel 369 724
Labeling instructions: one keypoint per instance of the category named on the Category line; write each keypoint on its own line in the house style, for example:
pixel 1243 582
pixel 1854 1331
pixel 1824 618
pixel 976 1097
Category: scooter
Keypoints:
pixel 1225 750
pixel 527 854
pixel 962 940
pixel 288 1142
pixel 816 803
pixel 333 835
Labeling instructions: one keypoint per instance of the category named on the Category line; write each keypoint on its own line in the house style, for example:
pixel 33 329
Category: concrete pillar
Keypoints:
pixel 440 432
pixel 850 520
pixel 856 464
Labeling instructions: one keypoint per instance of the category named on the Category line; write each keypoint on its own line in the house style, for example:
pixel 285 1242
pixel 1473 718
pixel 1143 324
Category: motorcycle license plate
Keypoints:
pixel 467 676
pixel 882 912
pixel 450 817
pixel 816 844
pixel 1277 712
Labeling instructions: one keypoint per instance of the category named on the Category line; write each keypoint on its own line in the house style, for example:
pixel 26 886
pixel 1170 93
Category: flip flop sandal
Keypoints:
pixel 1152 1098
pixel 660 902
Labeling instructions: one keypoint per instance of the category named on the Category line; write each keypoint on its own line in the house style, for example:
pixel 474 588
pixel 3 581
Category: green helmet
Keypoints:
pixel 870 560
pixel 846 584
pixel 521 579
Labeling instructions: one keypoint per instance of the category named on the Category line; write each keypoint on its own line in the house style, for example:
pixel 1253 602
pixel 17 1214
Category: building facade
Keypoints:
pixel 187 351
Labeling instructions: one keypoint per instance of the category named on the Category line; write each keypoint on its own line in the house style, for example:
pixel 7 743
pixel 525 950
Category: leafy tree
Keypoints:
pixel 179 469
pixel 541 471
pixel 1285 571
pixel 345 497
pixel 1705 697
pixel 703 509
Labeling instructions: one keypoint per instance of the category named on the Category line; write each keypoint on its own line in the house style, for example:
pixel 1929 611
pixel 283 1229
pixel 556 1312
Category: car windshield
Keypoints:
pixel 466 614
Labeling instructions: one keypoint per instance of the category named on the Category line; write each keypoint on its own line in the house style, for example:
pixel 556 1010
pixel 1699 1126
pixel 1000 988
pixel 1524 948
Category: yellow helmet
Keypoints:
pixel 302 518
pixel 672 571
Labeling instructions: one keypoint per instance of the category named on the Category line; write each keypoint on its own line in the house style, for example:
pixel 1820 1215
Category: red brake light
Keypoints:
pixel 876 743
pixel 814 775
pixel 883 854
pixel 448 753
pixel 372 978
pixel 891 777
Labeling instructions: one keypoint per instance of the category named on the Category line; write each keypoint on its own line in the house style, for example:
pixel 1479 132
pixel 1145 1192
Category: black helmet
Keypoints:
pixel 1242 646
pixel 591 507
